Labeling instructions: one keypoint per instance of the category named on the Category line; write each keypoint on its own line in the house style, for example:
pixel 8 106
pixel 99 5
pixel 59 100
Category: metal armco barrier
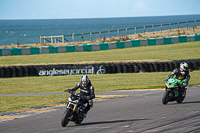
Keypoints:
pixel 106 68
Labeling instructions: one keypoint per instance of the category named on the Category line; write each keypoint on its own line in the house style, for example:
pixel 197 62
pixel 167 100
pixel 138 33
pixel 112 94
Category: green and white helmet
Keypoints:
pixel 184 66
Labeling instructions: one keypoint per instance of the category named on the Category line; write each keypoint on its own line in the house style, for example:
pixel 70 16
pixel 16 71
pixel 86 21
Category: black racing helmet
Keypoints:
pixel 85 79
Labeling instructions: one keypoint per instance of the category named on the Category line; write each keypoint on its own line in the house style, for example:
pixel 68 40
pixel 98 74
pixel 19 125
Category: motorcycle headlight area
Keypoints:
pixel 69 99
pixel 73 101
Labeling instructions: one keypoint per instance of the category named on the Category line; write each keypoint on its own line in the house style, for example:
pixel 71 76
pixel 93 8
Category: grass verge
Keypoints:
pixel 188 50
pixel 9 103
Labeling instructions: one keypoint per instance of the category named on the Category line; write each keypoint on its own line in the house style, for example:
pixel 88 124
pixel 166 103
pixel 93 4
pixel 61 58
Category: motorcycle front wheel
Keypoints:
pixel 165 98
pixel 79 120
pixel 180 100
pixel 65 120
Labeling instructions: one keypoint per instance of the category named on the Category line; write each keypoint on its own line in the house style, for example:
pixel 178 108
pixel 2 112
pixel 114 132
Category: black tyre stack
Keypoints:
pixel 111 68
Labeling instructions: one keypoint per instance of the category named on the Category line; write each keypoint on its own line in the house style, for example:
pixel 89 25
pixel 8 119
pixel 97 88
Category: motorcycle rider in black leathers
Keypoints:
pixel 86 92
pixel 181 73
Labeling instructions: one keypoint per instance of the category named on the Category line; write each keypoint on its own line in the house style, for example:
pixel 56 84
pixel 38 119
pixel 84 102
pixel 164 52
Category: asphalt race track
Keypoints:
pixel 141 112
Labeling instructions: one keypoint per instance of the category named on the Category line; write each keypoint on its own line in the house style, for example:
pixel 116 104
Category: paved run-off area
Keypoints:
pixel 21 113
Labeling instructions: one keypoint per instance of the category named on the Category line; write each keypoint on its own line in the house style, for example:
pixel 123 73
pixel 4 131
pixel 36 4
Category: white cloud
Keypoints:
pixel 141 5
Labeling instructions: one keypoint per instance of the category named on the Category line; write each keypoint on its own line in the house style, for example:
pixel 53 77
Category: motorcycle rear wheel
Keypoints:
pixel 65 120
pixel 165 98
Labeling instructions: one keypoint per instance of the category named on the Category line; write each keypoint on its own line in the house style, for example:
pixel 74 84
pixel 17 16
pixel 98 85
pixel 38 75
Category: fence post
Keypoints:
pixel 51 39
pixel 108 34
pixel 187 24
pixel 63 38
pixel 161 28
pixel 40 39
pixel 153 29
pixel 99 35
pixel 144 29
pixel 170 27
pixel 117 32
pixel 82 38
pixel 44 39
pixel 90 36
pixel 178 28
pixel 135 30
pixel 73 37
pixel 178 25
pixel 195 23
pixel 126 32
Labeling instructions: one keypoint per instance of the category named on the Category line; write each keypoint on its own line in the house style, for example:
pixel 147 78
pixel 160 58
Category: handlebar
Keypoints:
pixel 70 91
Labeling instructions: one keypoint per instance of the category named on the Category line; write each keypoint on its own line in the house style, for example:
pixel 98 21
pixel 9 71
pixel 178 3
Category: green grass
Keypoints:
pixel 188 50
pixel 104 82
pixel 19 102
pixel 101 83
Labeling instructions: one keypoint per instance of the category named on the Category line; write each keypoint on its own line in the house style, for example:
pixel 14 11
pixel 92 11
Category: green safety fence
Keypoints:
pixel 87 47
pixel 53 49
pixel 34 50
pixel 151 41
pixel 70 48
pixel 99 46
pixel 16 51
pixel 197 37
pixel 0 51
pixel 103 46
pixel 167 40
pixel 120 44
pixel 182 38
pixel 135 43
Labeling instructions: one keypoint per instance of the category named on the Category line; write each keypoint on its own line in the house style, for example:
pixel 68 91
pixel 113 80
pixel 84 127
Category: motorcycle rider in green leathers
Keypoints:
pixel 181 73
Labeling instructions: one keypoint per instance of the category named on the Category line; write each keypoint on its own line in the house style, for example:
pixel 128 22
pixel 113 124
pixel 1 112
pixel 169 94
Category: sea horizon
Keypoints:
pixel 28 31
pixel 102 17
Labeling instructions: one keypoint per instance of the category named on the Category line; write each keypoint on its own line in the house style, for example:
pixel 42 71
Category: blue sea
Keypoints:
pixel 29 31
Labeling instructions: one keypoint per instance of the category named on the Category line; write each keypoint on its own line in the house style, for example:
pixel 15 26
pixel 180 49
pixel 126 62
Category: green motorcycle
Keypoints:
pixel 172 91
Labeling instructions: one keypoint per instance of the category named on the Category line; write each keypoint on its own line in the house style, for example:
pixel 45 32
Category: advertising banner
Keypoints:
pixel 71 70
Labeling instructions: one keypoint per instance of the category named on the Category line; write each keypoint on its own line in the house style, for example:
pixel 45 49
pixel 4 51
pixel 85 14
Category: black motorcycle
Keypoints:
pixel 74 109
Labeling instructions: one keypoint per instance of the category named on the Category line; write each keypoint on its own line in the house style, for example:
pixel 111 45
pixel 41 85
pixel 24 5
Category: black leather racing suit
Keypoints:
pixel 86 91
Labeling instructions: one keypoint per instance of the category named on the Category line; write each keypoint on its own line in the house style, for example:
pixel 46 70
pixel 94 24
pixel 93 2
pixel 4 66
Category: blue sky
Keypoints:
pixel 63 9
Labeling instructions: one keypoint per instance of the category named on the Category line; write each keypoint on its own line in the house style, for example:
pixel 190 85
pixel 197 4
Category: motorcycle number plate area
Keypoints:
pixel 171 80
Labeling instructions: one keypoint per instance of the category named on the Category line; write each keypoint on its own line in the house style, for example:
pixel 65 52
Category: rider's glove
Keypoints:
pixel 181 85
pixel 88 97
pixel 68 90
pixel 184 84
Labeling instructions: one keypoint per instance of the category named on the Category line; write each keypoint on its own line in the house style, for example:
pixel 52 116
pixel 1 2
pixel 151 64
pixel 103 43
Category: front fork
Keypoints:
pixel 73 109
pixel 175 91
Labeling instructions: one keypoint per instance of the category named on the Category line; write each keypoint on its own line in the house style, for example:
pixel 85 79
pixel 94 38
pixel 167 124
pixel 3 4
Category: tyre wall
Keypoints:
pixel 106 68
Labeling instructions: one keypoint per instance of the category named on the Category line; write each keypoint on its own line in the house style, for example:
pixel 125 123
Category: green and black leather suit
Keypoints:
pixel 181 75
